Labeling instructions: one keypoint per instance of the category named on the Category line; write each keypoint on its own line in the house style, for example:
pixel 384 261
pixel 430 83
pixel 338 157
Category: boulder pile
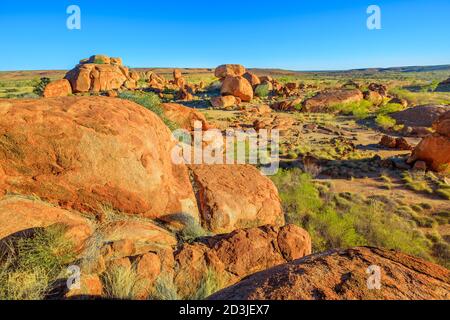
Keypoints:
pixel 102 167
pixel 101 73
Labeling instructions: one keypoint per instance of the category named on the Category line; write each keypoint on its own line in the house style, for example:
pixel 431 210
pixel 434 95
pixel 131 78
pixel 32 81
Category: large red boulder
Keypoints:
pixel 346 275
pixel 235 196
pixel 435 149
pixel 237 86
pixel 58 88
pixel 85 152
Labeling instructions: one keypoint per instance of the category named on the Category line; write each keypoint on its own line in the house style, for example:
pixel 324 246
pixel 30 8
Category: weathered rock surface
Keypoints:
pixel 237 86
pixel 184 117
pixel 235 196
pixel 326 99
pixel 252 78
pixel 233 70
pixel 238 254
pixel 420 116
pixel 442 125
pixel 82 152
pixel 225 101
pixel 58 88
pixel 435 149
pixel 19 216
pixel 342 275
pixel 99 73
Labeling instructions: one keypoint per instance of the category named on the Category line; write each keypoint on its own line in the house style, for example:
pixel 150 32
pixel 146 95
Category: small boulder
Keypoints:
pixel 252 78
pixel 58 88
pixel 224 101
pixel 184 117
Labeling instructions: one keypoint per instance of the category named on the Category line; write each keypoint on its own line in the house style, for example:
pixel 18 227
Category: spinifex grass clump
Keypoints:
pixel 29 266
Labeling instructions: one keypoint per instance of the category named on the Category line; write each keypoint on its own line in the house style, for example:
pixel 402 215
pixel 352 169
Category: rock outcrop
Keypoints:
pixel 344 275
pixel 84 152
pixel 419 116
pixel 101 73
pixel 238 254
pixel 235 196
pixel 237 86
pixel 20 216
pixel 324 100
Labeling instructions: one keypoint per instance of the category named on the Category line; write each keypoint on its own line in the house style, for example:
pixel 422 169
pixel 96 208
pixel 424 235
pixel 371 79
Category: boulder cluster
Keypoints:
pixel 237 85
pixel 102 167
pixel 99 73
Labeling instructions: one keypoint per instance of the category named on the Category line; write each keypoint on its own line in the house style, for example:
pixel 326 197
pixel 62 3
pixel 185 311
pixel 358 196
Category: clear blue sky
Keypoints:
pixel 300 35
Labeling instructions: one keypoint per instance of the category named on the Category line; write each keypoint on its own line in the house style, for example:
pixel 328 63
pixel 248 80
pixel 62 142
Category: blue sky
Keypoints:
pixel 298 35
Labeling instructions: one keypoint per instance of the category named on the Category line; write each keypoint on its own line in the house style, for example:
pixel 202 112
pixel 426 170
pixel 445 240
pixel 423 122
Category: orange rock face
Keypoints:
pixel 100 73
pixel 84 152
pixel 235 196
pixel 19 215
pixel 184 117
pixel 252 78
pixel 435 151
pixel 58 88
pixel 238 254
pixel 237 86
pixel 342 275
pixel 442 125
pixel 224 101
pixel 326 99
pixel 232 70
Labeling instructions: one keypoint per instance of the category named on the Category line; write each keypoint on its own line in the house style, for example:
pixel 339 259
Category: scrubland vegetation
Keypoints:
pixel 345 220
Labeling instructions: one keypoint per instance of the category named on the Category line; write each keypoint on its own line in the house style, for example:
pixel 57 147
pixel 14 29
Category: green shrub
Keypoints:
pixel 390 108
pixel 385 121
pixel 262 90
pixel 346 220
pixel 150 101
pixel 40 87
pixel 360 110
